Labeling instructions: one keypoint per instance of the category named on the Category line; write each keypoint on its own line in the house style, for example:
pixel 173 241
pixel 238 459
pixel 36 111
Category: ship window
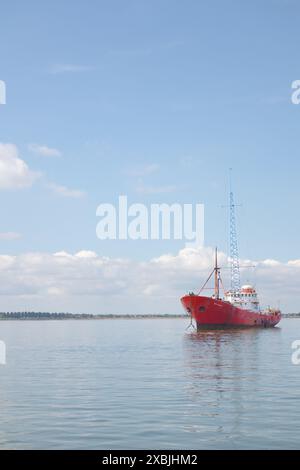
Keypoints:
pixel 201 309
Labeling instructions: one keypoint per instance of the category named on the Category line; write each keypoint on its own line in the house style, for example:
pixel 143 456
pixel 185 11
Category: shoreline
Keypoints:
pixel 74 316
pixel 30 316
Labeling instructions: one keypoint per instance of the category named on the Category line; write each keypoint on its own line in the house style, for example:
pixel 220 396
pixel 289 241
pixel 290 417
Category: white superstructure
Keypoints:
pixel 246 298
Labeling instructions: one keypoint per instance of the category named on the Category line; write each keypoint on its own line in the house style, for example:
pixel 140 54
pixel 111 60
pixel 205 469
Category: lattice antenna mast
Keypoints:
pixel 234 254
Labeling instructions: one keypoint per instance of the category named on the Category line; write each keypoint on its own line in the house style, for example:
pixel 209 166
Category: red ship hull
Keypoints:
pixel 215 313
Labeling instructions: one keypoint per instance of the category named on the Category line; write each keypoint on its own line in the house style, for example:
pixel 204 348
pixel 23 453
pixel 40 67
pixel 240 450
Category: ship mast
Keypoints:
pixel 217 276
pixel 234 255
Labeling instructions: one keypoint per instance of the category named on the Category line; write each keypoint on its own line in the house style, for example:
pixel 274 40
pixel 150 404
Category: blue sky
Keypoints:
pixel 155 100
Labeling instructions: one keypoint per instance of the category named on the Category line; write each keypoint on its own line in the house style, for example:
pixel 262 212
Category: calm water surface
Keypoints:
pixel 127 384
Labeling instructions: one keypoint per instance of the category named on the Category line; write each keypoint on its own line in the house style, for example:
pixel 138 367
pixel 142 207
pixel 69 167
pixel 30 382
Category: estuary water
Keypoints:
pixel 148 384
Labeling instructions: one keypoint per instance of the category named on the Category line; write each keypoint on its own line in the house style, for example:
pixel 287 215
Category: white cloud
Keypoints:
pixel 14 172
pixel 143 170
pixel 69 68
pixel 270 262
pixel 148 189
pixel 66 192
pixel 88 282
pixel 44 151
pixel 295 262
pixel 86 254
pixel 147 170
pixel 10 235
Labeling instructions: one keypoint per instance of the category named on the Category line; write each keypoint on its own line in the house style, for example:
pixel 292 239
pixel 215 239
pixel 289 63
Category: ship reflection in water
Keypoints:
pixel 234 387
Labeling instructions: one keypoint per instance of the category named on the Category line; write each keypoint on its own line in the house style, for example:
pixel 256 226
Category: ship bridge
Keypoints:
pixel 245 298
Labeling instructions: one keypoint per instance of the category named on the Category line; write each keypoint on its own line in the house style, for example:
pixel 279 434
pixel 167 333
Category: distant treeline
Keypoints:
pixel 290 315
pixel 87 316
pixel 73 316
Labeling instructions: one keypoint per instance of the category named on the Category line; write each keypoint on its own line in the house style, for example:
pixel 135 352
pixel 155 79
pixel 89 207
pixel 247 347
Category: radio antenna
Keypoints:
pixel 234 254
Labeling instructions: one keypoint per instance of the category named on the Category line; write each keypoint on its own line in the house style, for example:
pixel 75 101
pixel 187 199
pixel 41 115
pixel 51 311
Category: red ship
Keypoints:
pixel 239 307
